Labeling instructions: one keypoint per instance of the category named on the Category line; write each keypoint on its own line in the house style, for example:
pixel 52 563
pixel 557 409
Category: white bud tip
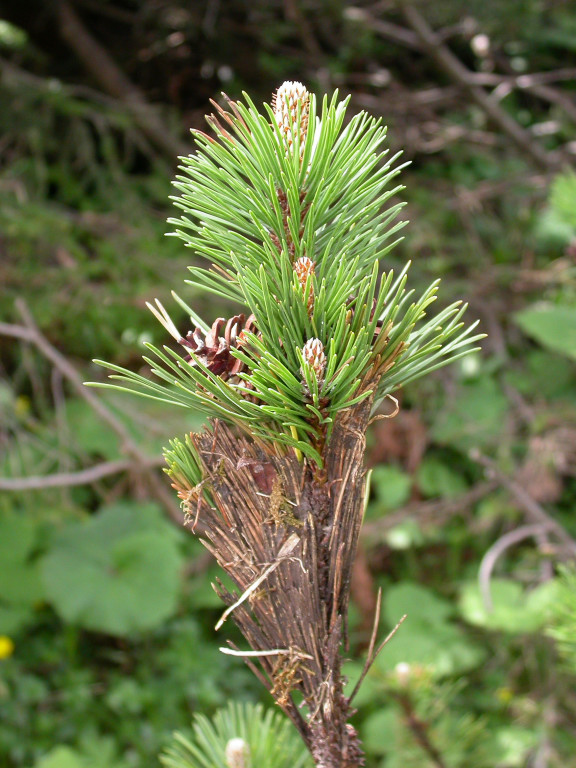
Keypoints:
pixel 288 98
pixel 237 754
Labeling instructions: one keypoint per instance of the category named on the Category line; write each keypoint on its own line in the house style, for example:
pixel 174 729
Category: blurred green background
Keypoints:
pixel 106 609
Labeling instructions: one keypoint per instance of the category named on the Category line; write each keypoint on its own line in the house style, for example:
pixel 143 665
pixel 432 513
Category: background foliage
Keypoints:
pixel 106 610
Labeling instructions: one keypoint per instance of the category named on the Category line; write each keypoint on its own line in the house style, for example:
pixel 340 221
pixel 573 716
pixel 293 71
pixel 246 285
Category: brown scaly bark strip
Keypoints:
pixel 265 500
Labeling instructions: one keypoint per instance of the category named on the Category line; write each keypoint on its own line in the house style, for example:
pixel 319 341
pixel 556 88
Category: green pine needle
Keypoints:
pixel 252 206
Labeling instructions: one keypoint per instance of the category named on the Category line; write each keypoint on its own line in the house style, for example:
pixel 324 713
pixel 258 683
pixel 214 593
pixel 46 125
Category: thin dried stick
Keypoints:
pixel 420 729
pixel 270 652
pixel 29 332
pixel 497 550
pixel 67 479
pixel 373 655
pixel 370 646
pixel 533 509
pixel 102 66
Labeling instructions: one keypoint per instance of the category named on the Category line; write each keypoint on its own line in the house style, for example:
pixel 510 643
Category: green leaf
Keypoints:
pixel 513 610
pixel 441 649
pixel 426 638
pixel 62 757
pixel 549 374
pixel 379 731
pixel 391 486
pixel 89 432
pixel 435 478
pixel 474 417
pixel 513 744
pixel 563 198
pixel 406 534
pixel 117 573
pixel 20 586
pixel 422 605
pixel 551 325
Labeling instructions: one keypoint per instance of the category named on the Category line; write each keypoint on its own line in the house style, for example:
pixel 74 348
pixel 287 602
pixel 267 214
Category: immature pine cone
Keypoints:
pixel 214 350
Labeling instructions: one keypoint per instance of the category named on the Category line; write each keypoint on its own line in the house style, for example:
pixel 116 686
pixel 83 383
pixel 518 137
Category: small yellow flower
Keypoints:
pixel 6 647
pixel 504 695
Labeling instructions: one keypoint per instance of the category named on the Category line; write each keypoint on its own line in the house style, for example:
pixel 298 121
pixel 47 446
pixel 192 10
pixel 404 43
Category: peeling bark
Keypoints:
pixel 265 513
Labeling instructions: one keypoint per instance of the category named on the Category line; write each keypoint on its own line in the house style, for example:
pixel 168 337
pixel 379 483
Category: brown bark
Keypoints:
pixel 292 528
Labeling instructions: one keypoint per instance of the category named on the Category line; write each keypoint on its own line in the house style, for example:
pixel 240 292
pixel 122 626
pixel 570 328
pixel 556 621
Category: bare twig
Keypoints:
pixel 454 68
pixel 65 479
pixel 272 652
pixel 30 333
pixel 497 550
pixel 386 29
pixel 531 507
pixel 419 729
pixel 372 654
pixel 305 30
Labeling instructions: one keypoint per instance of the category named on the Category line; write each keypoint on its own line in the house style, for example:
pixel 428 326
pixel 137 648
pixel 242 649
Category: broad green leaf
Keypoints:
pixel 426 638
pixel 20 586
pixel 563 198
pixel 513 743
pixel 62 757
pixel 513 610
pixel 475 417
pixel 551 325
pixel 391 487
pixel 435 478
pixel 421 604
pixel 379 731
pixel 442 649
pixel 117 573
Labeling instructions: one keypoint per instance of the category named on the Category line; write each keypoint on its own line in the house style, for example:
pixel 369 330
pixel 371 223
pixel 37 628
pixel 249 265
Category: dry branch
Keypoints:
pixel 139 461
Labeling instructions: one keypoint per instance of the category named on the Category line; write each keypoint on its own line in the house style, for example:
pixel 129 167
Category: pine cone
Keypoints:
pixel 213 349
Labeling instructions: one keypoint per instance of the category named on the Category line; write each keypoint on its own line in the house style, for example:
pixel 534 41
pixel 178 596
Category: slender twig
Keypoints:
pixel 29 332
pixel 528 503
pixel 497 550
pixel 419 728
pixel 386 29
pixel 64 479
pixel 372 654
pixel 272 652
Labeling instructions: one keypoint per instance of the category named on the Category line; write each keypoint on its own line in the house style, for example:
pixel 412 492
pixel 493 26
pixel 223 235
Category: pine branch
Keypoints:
pixel 288 207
